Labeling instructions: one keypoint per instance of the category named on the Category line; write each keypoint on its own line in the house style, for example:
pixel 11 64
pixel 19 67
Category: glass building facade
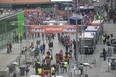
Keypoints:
pixel 9 32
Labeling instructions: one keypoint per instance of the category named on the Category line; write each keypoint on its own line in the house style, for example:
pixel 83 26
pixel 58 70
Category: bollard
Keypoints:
pixel 108 65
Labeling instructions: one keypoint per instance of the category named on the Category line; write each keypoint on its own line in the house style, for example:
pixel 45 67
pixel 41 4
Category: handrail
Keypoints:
pixel 10 15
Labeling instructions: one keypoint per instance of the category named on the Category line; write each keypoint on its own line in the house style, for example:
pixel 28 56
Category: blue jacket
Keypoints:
pixel 37 48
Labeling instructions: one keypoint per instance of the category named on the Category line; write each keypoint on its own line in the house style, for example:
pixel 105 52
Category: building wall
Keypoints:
pixel 22 1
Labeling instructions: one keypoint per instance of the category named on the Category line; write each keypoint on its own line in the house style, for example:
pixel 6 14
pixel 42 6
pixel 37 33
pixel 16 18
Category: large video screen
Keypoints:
pixel 61 0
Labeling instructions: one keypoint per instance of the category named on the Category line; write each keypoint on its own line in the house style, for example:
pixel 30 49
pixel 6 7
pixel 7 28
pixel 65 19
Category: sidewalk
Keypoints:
pixel 11 57
pixel 101 68
pixel 7 59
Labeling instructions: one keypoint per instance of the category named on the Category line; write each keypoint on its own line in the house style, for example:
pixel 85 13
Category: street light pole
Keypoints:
pixel 77 48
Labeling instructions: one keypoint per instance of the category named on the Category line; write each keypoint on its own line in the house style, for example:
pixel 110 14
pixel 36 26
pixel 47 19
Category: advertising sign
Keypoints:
pixel 53 29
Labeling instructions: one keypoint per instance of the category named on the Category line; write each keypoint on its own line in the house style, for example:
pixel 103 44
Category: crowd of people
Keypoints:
pixel 44 60
pixel 37 17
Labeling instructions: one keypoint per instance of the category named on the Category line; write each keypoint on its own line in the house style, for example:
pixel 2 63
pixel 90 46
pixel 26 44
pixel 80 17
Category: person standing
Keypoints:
pixel 10 47
pixel 104 39
pixel 74 44
pixel 104 54
pixel 44 47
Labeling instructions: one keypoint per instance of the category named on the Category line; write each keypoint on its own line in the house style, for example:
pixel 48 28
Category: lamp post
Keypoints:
pixel 77 48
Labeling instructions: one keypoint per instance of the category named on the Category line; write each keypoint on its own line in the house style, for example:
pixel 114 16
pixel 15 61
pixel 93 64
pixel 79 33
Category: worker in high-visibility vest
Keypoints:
pixel 104 39
pixel 52 70
pixel 65 65
pixel 40 70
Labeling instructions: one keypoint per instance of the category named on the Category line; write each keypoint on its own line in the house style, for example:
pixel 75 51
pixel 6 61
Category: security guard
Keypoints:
pixel 40 70
pixel 65 64
pixel 52 70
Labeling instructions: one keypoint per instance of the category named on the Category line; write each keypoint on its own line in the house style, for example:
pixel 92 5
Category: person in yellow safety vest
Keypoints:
pixel 39 70
pixel 65 65
pixel 103 39
pixel 52 70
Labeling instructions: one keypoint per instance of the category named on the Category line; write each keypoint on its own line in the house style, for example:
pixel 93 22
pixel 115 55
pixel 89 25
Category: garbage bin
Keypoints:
pixel 22 70
pixel 113 64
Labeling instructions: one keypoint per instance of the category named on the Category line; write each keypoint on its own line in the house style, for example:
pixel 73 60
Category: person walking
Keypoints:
pixel 37 65
pixel 65 65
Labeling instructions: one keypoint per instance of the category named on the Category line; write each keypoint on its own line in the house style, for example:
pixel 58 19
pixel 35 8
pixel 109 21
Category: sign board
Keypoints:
pixel 97 22
pixel 53 29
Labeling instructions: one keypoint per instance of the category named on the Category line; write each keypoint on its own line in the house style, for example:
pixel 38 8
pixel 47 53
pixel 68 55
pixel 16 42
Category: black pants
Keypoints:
pixel 65 70
pixel 104 41
pixel 104 57
pixel 36 70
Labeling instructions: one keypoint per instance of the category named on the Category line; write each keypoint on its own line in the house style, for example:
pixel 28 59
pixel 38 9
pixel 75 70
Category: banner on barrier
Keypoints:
pixel 53 29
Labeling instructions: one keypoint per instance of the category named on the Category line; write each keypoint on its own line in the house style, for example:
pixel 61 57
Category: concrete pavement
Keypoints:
pixel 101 68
